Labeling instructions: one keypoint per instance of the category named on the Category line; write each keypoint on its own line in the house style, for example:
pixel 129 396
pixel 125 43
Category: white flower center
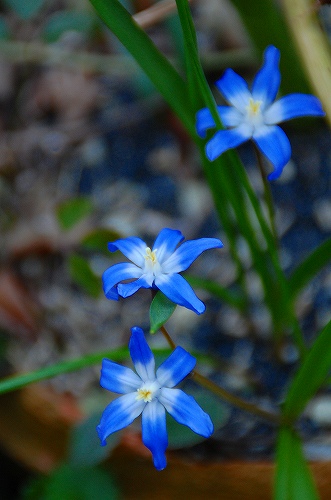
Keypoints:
pixel 147 391
pixel 253 112
pixel 152 265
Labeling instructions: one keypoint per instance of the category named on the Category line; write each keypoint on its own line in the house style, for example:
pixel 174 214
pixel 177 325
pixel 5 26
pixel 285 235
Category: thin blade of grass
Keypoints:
pixel 155 65
pixel 293 480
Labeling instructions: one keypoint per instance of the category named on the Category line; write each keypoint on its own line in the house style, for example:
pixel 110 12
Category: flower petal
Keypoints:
pixel 227 139
pixel 267 80
pixel 114 274
pixel 141 355
pixel 274 144
pixel 204 121
pixel 293 106
pixel 230 116
pixel 127 289
pixel 154 432
pixel 118 414
pixel 175 368
pixel 186 410
pixel 235 89
pixel 166 242
pixel 176 288
pixel 183 257
pixel 118 378
pixel 133 248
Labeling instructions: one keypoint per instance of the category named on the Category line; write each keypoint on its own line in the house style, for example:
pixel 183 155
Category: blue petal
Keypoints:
pixel 166 242
pixel 234 89
pixel 183 257
pixel 114 274
pixel 293 106
pixel 186 410
pixel 118 378
pixel 227 139
pixel 175 368
pixel 267 80
pixel 133 248
pixel 274 144
pixel 204 121
pixel 141 355
pixel 176 288
pixel 230 116
pixel 127 289
pixel 120 413
pixel 154 432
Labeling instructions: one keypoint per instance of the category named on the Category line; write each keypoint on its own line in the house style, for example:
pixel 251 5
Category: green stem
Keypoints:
pixel 234 400
pixel 267 193
pixel 223 393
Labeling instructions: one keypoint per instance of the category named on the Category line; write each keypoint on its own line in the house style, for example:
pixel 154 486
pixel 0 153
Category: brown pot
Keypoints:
pixel 34 429
pixel 228 480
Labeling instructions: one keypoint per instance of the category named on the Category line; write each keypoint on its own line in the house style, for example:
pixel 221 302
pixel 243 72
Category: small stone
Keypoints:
pixel 322 214
pixel 319 410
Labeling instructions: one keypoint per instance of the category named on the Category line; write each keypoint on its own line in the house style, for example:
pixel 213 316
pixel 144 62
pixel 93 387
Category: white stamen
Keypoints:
pixel 152 265
pixel 147 391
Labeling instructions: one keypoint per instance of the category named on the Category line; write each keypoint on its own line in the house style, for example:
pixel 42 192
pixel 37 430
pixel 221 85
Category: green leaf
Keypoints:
pixel 293 479
pixel 160 311
pixel 310 376
pixel 231 190
pixel 82 274
pixel 63 21
pixel 25 8
pixel 73 483
pixel 161 73
pixel 234 299
pixel 18 381
pixel 98 239
pixel 72 211
pixel 181 436
pixel 84 444
pixel 301 276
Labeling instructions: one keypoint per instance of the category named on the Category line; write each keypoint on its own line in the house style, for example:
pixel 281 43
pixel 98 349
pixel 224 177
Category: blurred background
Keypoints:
pixel 90 152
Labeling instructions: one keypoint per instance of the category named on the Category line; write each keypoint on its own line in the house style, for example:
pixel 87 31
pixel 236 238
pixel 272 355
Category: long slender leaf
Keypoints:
pixel 163 75
pixel 301 276
pixel 231 190
pixel 310 376
pixel 293 479
pixel 18 381
pixel 233 299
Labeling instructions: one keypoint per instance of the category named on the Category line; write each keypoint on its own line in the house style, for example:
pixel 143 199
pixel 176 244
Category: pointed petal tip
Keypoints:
pixel 160 467
pixel 209 427
pixel 137 331
pixel 103 441
pixel 274 175
pixel 271 50
pixel 201 309
pixel 211 153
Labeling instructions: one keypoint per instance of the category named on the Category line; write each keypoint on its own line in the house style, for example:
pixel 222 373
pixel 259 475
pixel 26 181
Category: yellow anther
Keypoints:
pixel 254 107
pixel 145 394
pixel 151 255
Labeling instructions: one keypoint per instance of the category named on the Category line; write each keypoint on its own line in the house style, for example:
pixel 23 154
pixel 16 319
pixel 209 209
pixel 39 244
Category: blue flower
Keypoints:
pixel 254 115
pixel 150 395
pixel 157 268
